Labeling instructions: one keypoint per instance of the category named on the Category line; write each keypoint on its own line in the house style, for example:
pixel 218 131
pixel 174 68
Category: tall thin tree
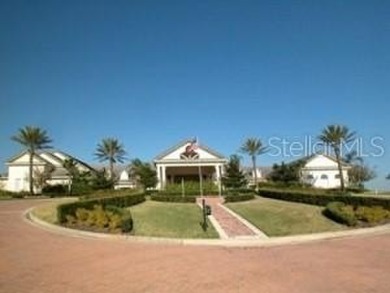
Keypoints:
pixel 111 150
pixel 337 136
pixel 253 147
pixel 33 139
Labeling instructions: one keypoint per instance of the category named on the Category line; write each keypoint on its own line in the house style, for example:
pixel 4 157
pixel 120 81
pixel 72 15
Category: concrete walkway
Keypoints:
pixel 228 224
pixel 33 260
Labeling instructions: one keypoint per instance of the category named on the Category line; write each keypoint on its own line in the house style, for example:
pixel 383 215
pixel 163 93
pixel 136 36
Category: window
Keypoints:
pixel 324 176
pixel 337 176
pixel 309 177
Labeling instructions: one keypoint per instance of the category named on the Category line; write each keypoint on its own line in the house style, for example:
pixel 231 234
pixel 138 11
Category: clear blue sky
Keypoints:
pixel 152 73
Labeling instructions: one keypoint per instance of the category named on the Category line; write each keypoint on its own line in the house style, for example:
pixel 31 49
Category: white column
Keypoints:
pixel 217 172
pixel 158 176
pixel 219 181
pixel 163 177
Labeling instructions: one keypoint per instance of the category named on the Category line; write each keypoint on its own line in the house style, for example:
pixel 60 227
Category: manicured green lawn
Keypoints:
pixel 174 220
pixel 281 218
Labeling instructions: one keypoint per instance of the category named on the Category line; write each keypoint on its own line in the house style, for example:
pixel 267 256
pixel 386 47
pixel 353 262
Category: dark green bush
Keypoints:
pixel 173 198
pixel 239 191
pixel 323 199
pixel 190 188
pixel 10 194
pixel 19 194
pixel 279 184
pixel 239 197
pixel 69 209
pixel 127 222
pixel 341 213
pixel 55 190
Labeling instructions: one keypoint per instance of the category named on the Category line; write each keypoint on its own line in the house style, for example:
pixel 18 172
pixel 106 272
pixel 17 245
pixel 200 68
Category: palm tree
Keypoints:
pixel 353 158
pixel 111 150
pixel 253 147
pixel 335 136
pixel 33 139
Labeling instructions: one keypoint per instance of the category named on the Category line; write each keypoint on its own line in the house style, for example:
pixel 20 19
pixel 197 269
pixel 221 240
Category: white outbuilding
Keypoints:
pixel 321 171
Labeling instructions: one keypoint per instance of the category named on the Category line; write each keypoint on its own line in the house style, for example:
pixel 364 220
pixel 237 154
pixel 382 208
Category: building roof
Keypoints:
pixel 37 156
pixel 52 154
pixel 314 156
pixel 183 143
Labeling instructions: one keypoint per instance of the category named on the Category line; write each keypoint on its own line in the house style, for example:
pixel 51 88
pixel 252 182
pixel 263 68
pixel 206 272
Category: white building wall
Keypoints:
pixel 18 178
pixel 323 178
pixel 322 172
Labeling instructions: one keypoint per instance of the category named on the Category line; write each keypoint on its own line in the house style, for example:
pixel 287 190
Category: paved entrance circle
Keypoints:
pixel 35 260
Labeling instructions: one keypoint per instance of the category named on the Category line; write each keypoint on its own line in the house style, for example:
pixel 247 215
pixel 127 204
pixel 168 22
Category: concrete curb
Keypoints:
pixel 252 242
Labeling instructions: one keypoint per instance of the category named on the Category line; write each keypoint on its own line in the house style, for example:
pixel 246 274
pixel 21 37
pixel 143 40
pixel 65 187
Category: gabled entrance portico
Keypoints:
pixel 189 162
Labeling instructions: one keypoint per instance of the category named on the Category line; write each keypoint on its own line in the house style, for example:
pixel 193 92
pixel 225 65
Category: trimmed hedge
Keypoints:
pixel 55 190
pixel 173 198
pixel 352 216
pixel 323 199
pixel 187 193
pixel 190 189
pixel 341 213
pixel 239 191
pixel 240 197
pixel 69 209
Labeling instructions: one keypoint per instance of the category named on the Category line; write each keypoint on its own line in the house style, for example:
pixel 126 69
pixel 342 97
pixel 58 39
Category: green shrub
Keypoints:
pixel 81 214
pixel 81 188
pixel 127 222
pixel 372 215
pixel 115 221
pixel 239 197
pixel 191 188
pixel 347 214
pixel 18 194
pixel 341 213
pixel 239 191
pixel 102 219
pixel 173 198
pixel 10 194
pixel 323 199
pixel 110 193
pixel 120 201
pixel 55 190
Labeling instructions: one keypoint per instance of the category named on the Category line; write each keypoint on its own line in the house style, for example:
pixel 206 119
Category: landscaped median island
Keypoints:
pixel 129 214
pixel 107 214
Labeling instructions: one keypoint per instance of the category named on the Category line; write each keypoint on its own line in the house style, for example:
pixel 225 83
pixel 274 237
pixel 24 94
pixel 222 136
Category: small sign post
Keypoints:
pixel 204 224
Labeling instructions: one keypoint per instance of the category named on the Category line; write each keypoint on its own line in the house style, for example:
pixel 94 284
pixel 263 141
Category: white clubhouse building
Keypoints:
pixel 189 161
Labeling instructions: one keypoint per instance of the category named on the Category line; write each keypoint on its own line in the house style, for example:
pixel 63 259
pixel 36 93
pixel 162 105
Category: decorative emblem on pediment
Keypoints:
pixel 189 153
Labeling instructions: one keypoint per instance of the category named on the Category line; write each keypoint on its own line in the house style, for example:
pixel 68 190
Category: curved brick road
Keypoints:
pixel 33 260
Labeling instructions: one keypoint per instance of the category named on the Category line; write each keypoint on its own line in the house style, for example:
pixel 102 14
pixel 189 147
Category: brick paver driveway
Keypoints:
pixel 34 260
